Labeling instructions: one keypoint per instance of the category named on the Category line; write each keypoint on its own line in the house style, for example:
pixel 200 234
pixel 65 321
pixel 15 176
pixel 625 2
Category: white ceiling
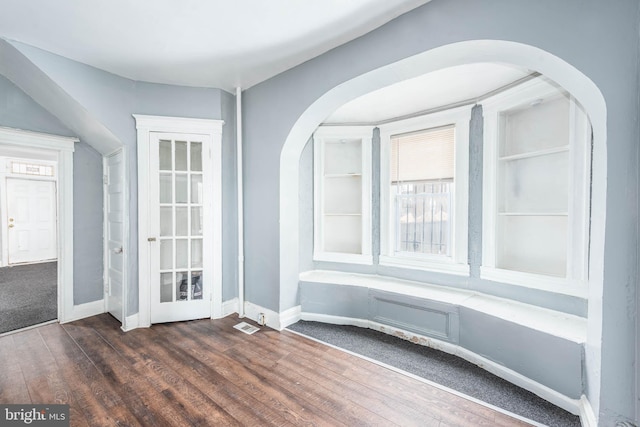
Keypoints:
pixel 432 90
pixel 209 43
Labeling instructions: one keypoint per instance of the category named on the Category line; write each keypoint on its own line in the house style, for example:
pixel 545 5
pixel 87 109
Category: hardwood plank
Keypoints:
pixel 13 387
pixel 267 400
pixel 168 374
pixel 202 373
pixel 145 403
pixel 96 399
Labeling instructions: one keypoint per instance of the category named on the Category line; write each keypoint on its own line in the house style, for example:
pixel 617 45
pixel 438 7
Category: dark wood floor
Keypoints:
pixel 206 373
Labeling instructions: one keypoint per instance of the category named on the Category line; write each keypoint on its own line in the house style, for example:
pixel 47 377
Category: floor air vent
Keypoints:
pixel 246 328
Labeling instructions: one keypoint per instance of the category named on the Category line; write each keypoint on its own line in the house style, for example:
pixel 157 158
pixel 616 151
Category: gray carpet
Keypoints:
pixel 441 368
pixel 28 295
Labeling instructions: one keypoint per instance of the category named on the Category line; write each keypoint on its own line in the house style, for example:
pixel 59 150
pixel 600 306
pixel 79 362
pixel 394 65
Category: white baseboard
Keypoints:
pixel 252 311
pixel 571 405
pixel 230 307
pixel 81 311
pixel 587 415
pixel 290 316
pixel 277 321
pixel 131 322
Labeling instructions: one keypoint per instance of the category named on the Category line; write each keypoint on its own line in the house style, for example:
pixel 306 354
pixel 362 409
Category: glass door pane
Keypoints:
pixel 181 209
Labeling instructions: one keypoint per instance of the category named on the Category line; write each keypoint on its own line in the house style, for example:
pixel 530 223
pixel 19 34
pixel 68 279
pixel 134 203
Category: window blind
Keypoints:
pixel 423 155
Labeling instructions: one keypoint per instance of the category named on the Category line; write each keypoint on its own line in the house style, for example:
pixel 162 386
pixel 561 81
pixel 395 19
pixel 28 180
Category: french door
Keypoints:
pixel 184 227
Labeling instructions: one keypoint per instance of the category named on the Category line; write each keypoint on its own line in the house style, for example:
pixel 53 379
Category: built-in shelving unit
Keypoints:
pixel 342 165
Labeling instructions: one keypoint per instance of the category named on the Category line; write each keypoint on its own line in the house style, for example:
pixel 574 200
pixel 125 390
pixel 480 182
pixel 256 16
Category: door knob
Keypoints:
pixel 118 250
pixel 10 219
pixel 11 225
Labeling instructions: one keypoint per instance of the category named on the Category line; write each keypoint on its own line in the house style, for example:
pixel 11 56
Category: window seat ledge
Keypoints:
pixel 555 323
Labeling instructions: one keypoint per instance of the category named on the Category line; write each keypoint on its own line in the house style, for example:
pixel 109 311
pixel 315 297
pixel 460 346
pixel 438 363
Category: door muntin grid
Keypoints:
pixel 181 218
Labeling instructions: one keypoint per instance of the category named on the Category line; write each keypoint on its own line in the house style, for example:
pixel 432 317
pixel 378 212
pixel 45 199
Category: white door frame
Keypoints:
pixel 64 147
pixel 145 125
pixel 125 231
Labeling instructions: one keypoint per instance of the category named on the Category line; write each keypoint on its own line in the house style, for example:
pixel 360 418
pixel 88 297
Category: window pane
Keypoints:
pixel 166 221
pixel 196 253
pixel 196 285
pixel 165 155
pixel 196 189
pixel 196 156
pixel 166 254
pixel 182 221
pixel 182 286
pixel 182 188
pixel 422 212
pixel 182 253
pixel 181 155
pixel 166 287
pixel 165 188
pixel 196 221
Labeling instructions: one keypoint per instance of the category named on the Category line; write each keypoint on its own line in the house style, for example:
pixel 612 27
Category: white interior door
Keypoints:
pixel 31 220
pixel 114 207
pixel 182 191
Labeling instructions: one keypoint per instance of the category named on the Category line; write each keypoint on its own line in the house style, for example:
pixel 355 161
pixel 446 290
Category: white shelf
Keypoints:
pixel 342 175
pixel 533 213
pixel 537 153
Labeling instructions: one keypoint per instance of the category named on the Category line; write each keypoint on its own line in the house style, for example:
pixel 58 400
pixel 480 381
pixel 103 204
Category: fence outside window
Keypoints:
pixel 422 213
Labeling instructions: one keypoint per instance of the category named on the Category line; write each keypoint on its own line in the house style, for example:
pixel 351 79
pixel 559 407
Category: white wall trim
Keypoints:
pixel 558 399
pixel 231 306
pixel 45 141
pixel 252 311
pixel 290 316
pixel 587 416
pixel 130 322
pixel 277 321
pixel 82 311
pixel 145 125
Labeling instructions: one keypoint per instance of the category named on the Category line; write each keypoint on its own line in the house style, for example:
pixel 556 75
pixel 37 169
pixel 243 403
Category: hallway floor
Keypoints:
pixel 28 295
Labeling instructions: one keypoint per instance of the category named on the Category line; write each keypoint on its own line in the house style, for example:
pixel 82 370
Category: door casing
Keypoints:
pixel 62 148
pixel 145 125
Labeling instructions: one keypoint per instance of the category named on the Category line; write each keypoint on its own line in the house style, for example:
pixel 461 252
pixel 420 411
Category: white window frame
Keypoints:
pixel 364 133
pixel 457 262
pixel 575 282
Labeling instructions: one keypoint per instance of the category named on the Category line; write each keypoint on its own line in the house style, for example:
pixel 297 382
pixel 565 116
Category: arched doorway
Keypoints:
pixel 520 55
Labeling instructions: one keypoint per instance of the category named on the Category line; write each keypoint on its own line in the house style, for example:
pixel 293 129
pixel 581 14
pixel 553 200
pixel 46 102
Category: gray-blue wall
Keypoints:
pixel 17 110
pixel 112 100
pixel 599 38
